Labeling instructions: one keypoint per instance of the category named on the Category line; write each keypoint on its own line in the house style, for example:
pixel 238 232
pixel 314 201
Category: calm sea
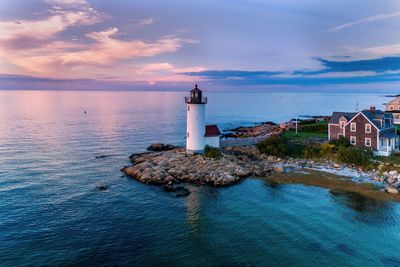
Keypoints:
pixel 53 156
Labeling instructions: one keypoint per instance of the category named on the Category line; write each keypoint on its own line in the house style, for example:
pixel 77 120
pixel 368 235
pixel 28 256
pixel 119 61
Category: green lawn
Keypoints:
pixel 308 131
pixel 291 134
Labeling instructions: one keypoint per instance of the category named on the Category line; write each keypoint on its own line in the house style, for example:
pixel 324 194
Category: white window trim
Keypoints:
pixel 369 127
pixel 351 127
pixel 368 145
pixel 351 140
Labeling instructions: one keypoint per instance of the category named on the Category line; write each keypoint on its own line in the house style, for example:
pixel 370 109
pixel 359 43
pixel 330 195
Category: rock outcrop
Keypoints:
pixel 167 165
pixel 160 147
pixel 174 166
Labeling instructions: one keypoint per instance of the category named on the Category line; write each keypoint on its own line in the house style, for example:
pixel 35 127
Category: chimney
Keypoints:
pixel 372 108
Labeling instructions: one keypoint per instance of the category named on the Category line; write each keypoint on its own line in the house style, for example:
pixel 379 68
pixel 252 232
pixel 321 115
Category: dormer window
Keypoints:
pixel 368 128
pixel 353 127
pixel 387 122
pixel 342 123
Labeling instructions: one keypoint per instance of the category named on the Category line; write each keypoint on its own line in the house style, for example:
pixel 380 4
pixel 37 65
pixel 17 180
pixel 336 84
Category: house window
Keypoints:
pixel 187 134
pixel 340 135
pixel 391 107
pixel 353 140
pixel 368 128
pixel 353 127
pixel 368 142
pixel 342 123
pixel 188 108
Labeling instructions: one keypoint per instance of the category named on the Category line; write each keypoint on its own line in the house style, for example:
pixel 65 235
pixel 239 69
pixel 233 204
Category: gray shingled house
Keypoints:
pixel 369 128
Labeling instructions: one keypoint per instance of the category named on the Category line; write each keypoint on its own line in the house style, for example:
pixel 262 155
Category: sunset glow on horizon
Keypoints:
pixel 89 44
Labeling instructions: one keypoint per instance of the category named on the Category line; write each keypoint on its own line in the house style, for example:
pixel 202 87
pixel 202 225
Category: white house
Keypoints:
pixel 394 108
pixel 198 134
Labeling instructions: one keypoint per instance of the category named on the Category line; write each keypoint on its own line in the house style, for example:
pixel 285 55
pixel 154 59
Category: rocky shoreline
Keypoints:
pixel 262 129
pixel 174 166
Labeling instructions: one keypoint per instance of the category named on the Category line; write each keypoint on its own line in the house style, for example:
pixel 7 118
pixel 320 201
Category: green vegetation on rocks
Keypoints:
pixel 212 152
pixel 338 150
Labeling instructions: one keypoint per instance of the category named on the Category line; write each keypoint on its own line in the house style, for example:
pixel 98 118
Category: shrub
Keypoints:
pixel 307 122
pixel 354 155
pixel 211 152
pixel 295 150
pixel 274 145
pixel 327 150
pixel 341 142
pixel 311 152
pixel 315 128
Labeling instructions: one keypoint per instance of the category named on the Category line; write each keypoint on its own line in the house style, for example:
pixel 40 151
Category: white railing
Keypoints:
pixel 383 153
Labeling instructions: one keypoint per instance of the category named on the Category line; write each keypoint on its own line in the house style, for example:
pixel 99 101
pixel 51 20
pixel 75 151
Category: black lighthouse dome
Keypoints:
pixel 196 97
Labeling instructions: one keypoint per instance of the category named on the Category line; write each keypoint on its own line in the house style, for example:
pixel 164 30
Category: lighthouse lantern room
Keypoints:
pixel 198 135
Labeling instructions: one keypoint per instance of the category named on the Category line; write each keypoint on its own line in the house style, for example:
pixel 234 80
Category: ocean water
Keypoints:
pixel 53 155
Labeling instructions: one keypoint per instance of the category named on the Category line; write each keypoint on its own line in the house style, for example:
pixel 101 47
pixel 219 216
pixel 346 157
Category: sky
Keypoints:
pixel 221 45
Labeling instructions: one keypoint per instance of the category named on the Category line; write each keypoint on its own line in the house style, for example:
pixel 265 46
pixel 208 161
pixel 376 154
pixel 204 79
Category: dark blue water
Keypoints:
pixel 53 156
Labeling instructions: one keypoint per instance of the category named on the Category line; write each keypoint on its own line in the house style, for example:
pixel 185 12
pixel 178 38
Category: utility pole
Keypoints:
pixel 297 115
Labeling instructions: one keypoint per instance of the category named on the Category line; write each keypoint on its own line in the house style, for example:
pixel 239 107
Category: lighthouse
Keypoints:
pixel 198 134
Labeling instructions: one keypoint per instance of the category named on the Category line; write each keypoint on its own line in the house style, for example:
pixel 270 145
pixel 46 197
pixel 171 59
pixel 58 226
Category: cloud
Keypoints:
pixel 363 21
pixel 147 21
pixel 23 34
pixel 67 2
pixel 231 74
pixel 105 50
pixel 385 69
pixel 377 65
pixel 305 80
pixel 384 50
pixel 156 67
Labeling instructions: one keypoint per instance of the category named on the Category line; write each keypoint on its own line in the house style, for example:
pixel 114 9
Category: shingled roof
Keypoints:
pixel 373 116
pixel 212 130
pixel 337 115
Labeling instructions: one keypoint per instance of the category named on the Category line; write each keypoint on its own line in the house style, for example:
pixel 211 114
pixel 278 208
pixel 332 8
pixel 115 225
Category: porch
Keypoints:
pixel 388 144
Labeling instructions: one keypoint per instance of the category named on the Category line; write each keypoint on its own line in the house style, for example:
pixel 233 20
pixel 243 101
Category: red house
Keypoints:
pixel 369 128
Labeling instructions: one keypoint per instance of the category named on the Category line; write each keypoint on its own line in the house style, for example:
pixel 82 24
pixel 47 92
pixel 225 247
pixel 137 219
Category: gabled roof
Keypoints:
pixel 212 130
pixel 373 116
pixel 337 115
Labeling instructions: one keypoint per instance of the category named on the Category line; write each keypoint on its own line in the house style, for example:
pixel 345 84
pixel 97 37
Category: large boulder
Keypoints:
pixel 391 180
pixel 392 190
pixel 279 168
pixel 160 147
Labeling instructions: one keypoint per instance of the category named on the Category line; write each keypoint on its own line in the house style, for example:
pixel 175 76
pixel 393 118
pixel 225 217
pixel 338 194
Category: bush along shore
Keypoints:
pixel 277 159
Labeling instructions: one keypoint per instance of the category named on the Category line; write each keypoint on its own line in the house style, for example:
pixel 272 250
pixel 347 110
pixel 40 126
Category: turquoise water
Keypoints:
pixel 53 155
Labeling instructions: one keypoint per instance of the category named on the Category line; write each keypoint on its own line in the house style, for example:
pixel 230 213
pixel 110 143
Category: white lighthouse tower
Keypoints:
pixel 196 120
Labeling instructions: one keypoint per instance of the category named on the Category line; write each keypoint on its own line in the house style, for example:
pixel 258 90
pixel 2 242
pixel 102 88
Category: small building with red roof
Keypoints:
pixel 211 137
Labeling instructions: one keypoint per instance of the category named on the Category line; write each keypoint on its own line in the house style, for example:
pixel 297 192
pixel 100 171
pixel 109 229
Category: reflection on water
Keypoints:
pixel 193 204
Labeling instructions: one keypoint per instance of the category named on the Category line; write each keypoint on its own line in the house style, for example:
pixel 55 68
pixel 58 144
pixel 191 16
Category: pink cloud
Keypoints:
pixel 34 47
